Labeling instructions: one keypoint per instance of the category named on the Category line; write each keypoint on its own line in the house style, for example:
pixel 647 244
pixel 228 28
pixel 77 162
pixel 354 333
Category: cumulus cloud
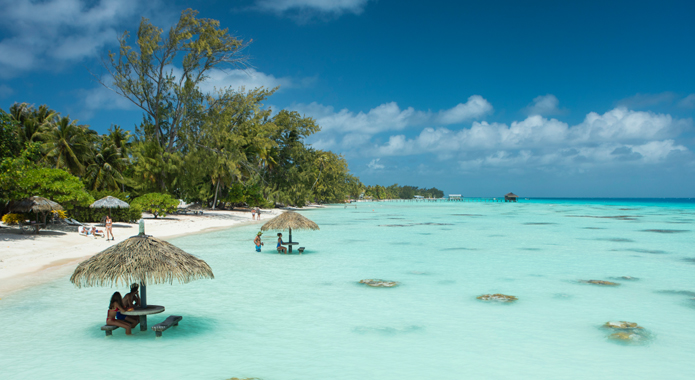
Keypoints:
pixel 617 125
pixel 390 117
pixel 304 10
pixel 608 154
pixel 47 34
pixel 248 79
pixel 545 105
pixel 375 165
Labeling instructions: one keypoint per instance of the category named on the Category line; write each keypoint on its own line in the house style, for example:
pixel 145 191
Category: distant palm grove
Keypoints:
pixel 219 149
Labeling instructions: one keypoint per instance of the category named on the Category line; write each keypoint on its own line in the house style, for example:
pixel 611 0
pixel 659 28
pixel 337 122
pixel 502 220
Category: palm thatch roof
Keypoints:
pixel 511 195
pixel 290 220
pixel 140 259
pixel 35 204
pixel 109 202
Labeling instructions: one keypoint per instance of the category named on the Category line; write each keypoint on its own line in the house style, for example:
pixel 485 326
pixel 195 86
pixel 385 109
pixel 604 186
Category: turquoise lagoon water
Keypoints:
pixel 279 317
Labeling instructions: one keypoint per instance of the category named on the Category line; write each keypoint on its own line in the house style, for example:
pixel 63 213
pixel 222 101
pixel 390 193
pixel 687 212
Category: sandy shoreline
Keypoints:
pixel 29 260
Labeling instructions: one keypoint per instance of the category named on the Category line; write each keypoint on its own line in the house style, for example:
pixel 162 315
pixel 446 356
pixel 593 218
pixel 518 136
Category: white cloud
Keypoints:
pixel 475 107
pixel 536 132
pixel 390 117
pixel 608 154
pixel 375 165
pixel 327 7
pixel 544 105
pixel 47 34
pixel 248 78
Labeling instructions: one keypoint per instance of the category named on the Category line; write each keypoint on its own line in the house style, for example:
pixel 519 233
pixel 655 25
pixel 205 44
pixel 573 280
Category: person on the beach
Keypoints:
pixel 258 241
pixel 108 223
pixel 253 213
pixel 280 242
pixel 130 302
pixel 114 316
pixel 258 212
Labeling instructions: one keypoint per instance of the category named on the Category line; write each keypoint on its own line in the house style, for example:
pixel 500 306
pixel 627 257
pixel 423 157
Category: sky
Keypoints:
pixel 480 98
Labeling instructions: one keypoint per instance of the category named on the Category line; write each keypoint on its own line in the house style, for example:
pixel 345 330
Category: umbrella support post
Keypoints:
pixel 143 304
pixel 289 246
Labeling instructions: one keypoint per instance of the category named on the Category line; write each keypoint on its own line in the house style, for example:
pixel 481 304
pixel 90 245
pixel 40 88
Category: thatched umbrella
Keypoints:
pixel 140 259
pixel 109 202
pixel 287 221
pixel 38 205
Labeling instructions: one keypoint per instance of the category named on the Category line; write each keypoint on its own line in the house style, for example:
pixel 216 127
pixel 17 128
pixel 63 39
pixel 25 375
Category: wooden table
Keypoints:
pixel 143 313
pixel 289 245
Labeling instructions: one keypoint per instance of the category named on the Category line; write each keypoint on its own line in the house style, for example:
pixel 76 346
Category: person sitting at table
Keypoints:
pixel 130 302
pixel 280 243
pixel 132 299
pixel 114 316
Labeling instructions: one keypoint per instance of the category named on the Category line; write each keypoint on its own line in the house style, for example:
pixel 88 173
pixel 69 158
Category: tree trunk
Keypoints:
pixel 217 188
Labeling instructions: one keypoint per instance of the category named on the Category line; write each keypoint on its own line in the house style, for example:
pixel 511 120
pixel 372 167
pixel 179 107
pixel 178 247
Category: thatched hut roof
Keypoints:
pixel 290 219
pixel 511 195
pixel 140 259
pixel 35 204
pixel 109 202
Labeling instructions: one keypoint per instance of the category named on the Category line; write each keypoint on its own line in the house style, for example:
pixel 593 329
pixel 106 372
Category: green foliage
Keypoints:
pixel 21 179
pixel 156 203
pixel 67 145
pixel 10 142
pixel 400 192
pixel 96 215
pixel 219 147
pixel 142 74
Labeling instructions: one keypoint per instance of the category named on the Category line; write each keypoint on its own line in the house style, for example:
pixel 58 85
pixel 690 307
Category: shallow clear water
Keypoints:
pixel 305 317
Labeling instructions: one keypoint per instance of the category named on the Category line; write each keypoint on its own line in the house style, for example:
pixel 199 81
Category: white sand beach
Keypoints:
pixel 30 259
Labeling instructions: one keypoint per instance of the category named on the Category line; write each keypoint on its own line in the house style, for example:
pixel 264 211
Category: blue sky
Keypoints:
pixel 543 98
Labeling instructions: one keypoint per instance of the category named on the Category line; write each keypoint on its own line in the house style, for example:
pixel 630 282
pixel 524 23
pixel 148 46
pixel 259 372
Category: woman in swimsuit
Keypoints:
pixel 280 247
pixel 108 224
pixel 114 316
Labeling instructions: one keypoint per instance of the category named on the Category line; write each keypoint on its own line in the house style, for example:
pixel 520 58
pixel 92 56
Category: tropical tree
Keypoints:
pixel 146 73
pixel 67 145
pixel 10 141
pixel 32 121
pixel 104 171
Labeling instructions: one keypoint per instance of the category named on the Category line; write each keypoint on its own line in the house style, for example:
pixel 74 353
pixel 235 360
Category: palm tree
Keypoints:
pixel 121 139
pixel 104 171
pixel 33 121
pixel 67 145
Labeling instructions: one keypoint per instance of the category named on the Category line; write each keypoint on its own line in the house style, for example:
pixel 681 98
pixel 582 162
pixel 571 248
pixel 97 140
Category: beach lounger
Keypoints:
pixel 82 230
pixel 173 320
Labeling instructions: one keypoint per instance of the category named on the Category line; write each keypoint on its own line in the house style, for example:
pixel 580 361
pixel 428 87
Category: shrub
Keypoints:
pixel 12 219
pixel 157 204
pixel 96 215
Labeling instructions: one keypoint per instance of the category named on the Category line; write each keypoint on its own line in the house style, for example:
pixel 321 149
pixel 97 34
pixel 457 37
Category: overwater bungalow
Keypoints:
pixel 418 197
pixel 511 197
pixel 454 196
